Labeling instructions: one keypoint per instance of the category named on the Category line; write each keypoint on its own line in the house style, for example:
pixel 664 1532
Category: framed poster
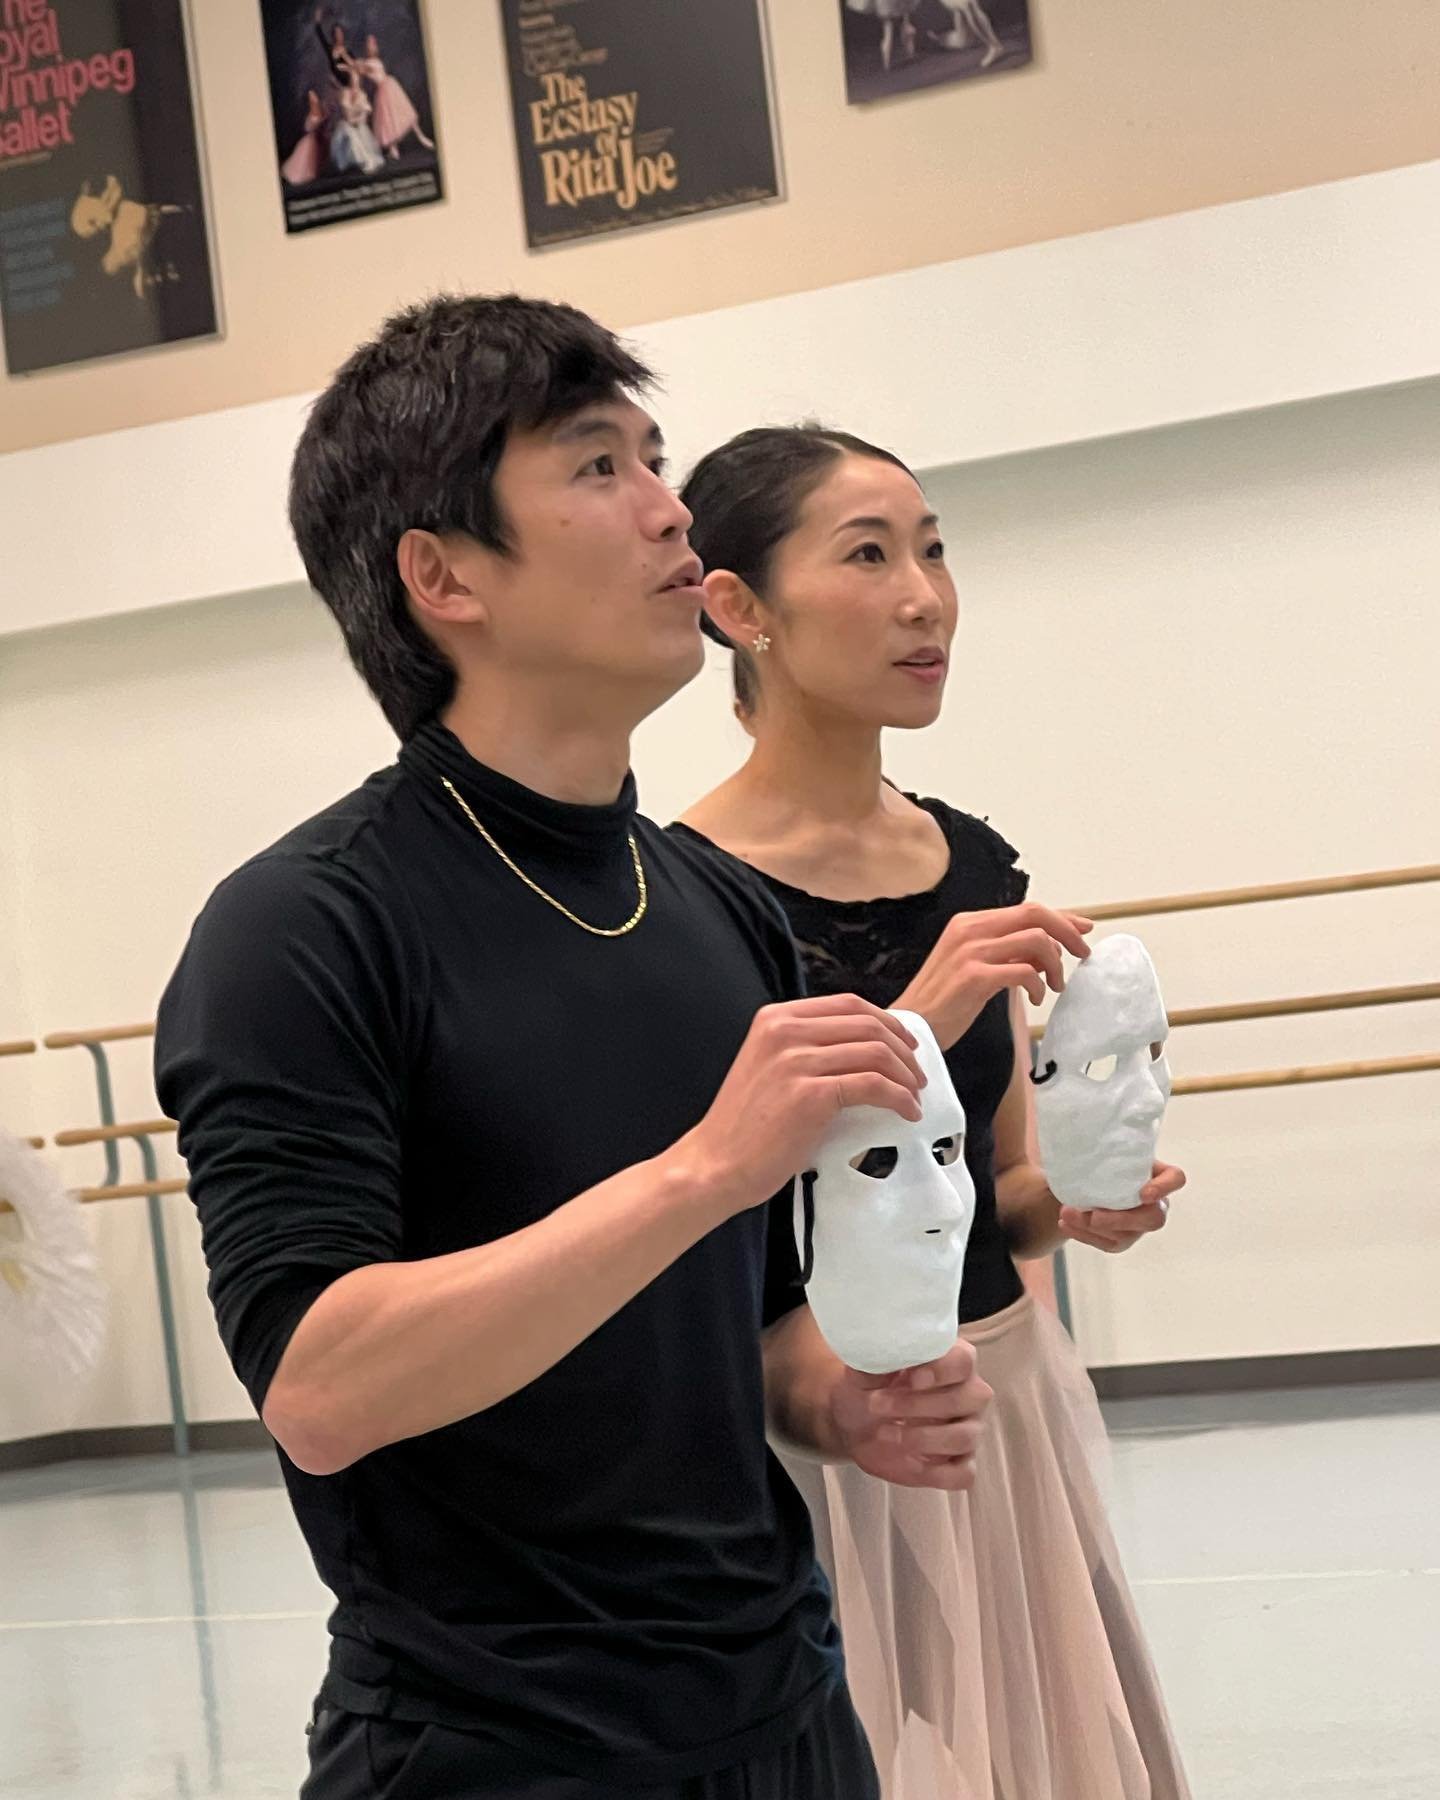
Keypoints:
pixel 103 240
pixel 354 116
pixel 896 46
pixel 630 112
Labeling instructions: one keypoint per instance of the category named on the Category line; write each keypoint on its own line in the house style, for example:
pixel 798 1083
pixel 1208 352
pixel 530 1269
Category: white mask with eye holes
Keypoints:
pixel 1101 1078
pixel 882 1221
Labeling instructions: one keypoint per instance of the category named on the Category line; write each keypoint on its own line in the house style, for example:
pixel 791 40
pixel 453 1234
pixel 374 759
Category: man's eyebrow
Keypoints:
pixel 587 426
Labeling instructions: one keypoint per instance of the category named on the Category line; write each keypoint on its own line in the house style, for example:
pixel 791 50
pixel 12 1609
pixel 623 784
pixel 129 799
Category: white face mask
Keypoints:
pixel 893 1203
pixel 1102 1081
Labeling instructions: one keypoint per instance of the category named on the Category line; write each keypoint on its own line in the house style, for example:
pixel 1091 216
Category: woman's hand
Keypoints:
pixel 920 1428
pixel 980 954
pixel 1104 1229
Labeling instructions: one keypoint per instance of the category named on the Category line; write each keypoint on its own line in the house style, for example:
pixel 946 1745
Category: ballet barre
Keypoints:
pixel 134 1190
pixel 127 1190
pixel 109 1134
pixel 106 1134
pixel 1308 1003
pixel 1301 1077
pixel 1252 896
pixel 108 1034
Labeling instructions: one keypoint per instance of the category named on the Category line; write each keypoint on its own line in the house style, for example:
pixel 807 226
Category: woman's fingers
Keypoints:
pixel 1034 946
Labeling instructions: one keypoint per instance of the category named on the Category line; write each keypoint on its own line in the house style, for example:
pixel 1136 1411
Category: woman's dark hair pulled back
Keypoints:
pixel 746 498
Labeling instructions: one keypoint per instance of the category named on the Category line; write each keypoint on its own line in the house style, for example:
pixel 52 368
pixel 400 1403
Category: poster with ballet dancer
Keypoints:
pixel 351 99
pixel 896 46
pixel 632 112
pixel 104 247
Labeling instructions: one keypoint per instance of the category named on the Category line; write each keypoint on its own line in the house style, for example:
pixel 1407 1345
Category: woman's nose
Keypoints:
pixel 922 604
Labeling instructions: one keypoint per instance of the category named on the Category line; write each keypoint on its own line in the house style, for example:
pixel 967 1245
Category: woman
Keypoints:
pixel 352 142
pixel 395 115
pixel 334 48
pixel 994 1650
pixel 305 162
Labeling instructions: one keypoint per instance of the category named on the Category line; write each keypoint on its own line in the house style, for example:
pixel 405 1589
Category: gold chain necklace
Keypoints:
pixel 613 931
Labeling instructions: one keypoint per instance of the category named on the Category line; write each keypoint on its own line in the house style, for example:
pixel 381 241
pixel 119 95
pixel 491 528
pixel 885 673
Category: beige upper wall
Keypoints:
pixel 1132 110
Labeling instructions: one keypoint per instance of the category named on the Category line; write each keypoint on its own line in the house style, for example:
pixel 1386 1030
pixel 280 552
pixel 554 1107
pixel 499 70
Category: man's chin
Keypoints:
pixel 663 674
pixel 679 662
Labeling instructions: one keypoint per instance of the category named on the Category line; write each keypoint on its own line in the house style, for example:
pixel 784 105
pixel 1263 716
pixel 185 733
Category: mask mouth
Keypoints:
pixel 945 1235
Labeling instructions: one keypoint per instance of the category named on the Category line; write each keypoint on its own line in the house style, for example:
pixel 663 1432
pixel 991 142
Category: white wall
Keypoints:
pixel 1190 658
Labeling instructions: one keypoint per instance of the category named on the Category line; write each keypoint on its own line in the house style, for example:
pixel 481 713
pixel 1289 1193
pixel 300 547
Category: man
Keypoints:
pixel 484 1084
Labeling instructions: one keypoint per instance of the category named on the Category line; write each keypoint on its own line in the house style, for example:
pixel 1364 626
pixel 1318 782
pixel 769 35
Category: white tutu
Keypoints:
pixel 52 1302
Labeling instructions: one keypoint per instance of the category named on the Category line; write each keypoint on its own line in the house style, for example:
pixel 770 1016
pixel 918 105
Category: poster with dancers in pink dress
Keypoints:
pixel 351 100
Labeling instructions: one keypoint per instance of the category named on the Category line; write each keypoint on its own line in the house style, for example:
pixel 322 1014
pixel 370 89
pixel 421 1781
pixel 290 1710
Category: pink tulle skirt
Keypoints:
pixel 303 162
pixel 395 115
pixel 993 1646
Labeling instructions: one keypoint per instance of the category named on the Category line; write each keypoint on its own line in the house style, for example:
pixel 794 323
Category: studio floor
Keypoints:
pixel 161 1630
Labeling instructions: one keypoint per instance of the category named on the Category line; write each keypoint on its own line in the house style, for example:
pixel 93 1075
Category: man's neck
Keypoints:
pixel 550 751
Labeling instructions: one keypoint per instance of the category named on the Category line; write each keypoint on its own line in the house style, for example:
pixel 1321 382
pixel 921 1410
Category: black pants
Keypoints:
pixel 382 1759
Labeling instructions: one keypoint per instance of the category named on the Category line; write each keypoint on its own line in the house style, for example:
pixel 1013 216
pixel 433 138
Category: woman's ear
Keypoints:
pixel 733 606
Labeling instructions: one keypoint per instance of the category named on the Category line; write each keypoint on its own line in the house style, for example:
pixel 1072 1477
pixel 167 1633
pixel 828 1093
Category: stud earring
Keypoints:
pixel 761 643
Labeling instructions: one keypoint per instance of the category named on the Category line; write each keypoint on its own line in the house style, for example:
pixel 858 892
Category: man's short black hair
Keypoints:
pixel 410 434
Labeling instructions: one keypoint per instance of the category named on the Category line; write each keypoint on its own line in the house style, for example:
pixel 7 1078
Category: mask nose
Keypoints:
pixel 940 1203
pixel 1145 1106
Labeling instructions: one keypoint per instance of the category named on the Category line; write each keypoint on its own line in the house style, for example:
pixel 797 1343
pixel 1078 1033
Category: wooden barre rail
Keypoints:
pixel 108 1034
pixel 1307 1003
pixel 134 1190
pixel 1250 896
pixel 130 1190
pixel 1275 1078
pixel 20 1047
pixel 1282 1009
pixel 108 1134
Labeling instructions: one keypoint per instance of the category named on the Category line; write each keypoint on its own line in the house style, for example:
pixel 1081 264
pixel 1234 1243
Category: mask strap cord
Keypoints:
pixel 807 1201
pixel 1039 1079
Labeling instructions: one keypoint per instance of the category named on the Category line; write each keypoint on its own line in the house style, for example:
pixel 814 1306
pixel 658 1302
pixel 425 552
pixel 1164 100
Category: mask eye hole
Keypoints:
pixel 1156 1052
pixel 878 1163
pixel 946 1150
pixel 1101 1069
